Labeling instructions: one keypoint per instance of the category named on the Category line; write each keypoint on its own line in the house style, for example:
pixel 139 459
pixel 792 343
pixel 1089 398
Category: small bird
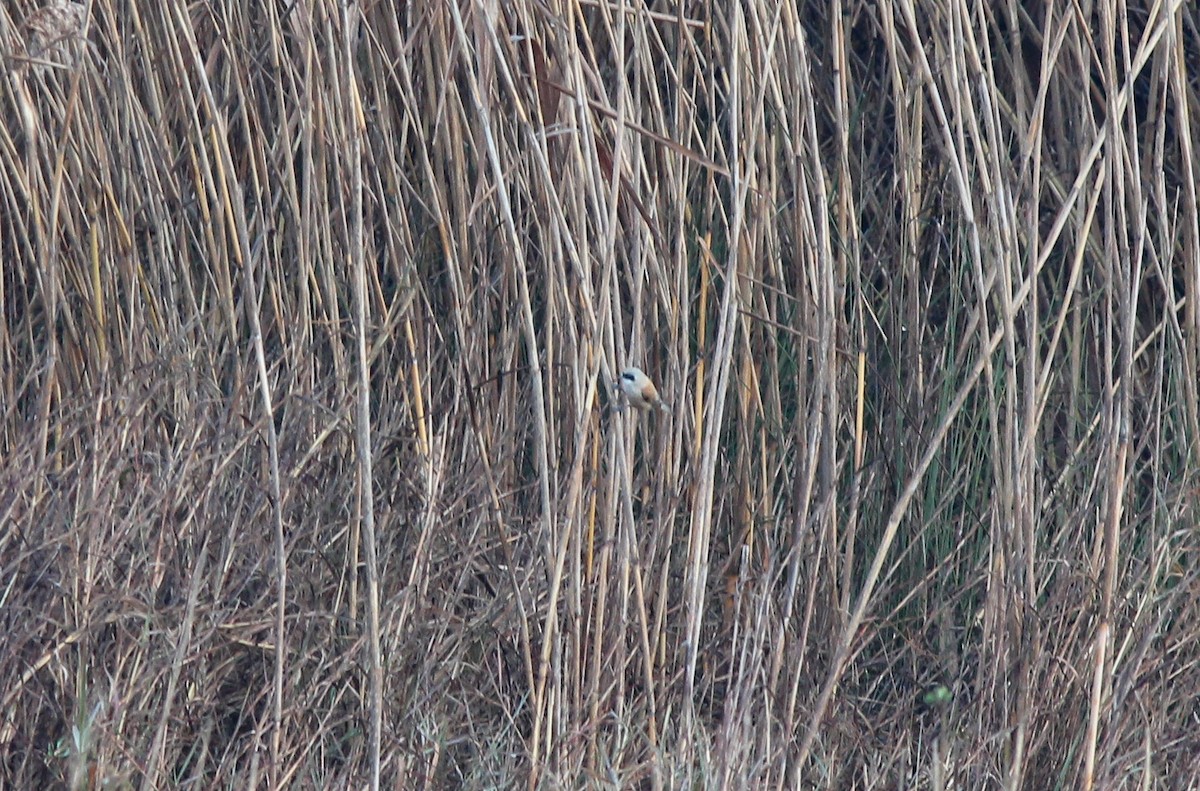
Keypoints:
pixel 640 391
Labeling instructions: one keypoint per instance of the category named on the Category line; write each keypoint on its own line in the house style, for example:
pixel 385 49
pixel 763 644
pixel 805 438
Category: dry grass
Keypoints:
pixel 309 475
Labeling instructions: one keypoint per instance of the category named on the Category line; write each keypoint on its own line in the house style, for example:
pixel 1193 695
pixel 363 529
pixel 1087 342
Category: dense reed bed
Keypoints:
pixel 311 474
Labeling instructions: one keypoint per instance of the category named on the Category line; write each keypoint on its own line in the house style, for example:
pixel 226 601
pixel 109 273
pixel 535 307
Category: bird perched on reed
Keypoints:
pixel 55 36
pixel 640 391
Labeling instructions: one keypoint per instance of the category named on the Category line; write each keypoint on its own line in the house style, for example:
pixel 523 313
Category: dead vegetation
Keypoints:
pixel 917 280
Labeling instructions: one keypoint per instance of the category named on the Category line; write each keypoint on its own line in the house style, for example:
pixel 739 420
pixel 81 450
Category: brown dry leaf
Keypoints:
pixel 547 80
